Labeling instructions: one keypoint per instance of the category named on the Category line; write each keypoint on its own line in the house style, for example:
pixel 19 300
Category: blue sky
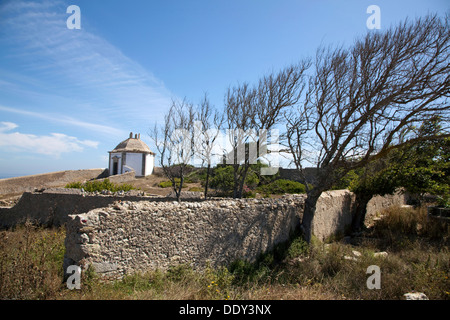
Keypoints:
pixel 69 96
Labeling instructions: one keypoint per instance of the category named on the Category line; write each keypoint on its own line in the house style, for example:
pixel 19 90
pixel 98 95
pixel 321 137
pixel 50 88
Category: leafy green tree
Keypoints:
pixel 419 168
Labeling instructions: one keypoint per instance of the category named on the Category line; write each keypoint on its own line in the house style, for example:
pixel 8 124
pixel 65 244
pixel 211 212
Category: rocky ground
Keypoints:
pixel 9 201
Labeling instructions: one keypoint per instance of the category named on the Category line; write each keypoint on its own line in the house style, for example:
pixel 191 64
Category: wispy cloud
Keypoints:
pixel 79 62
pixel 54 144
pixel 67 121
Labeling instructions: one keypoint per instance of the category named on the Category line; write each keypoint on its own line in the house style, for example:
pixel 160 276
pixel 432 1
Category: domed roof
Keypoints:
pixel 133 145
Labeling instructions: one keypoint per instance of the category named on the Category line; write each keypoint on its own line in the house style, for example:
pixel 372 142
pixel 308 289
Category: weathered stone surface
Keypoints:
pixel 129 236
pixel 104 267
pixel 333 212
pixel 382 254
pixel 147 235
pixel 415 296
pixel 53 206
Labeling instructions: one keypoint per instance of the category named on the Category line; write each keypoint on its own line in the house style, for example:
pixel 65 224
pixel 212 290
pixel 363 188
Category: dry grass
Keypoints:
pixel 30 262
pixel 418 260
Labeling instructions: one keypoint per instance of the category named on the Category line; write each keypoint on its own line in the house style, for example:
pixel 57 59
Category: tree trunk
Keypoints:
pixel 175 189
pixel 207 180
pixel 308 213
pixel 242 181
pixel 360 211
pixel 236 182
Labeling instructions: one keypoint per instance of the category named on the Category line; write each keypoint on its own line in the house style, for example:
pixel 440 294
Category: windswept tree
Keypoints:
pixel 359 100
pixel 174 141
pixel 251 113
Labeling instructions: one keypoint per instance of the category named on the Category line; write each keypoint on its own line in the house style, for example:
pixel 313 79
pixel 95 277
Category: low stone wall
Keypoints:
pixel 379 203
pixel 135 236
pixel 119 234
pixel 52 207
pixel 47 180
pixel 334 212
pixel 128 237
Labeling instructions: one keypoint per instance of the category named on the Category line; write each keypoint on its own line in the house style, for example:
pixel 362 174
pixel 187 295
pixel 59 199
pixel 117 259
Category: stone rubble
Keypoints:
pixel 415 296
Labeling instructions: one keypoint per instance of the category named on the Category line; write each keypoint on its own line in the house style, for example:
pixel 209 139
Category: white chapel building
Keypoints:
pixel 132 155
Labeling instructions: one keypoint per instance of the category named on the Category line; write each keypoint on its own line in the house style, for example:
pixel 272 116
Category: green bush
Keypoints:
pixel 222 179
pixel 168 183
pixel 282 186
pixel 165 184
pixel 297 248
pixel 100 185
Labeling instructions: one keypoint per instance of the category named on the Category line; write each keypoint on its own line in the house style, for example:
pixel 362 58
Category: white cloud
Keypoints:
pixel 80 63
pixel 7 126
pixel 54 144
pixel 71 79
pixel 68 121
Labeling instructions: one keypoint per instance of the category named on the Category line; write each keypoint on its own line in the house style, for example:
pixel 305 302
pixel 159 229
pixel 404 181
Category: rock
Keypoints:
pixel 103 267
pixel 350 258
pixel 415 296
pixel 82 238
pixel 382 254
pixel 104 214
pixel 356 253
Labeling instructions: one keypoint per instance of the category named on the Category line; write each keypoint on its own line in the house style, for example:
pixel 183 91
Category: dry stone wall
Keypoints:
pixel 52 207
pixel 128 236
pixel 127 233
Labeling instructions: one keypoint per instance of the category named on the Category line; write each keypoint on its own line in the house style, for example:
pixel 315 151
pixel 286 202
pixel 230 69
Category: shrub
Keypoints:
pixel 165 184
pixel 282 186
pixel 297 248
pixel 168 183
pixel 222 178
pixel 100 185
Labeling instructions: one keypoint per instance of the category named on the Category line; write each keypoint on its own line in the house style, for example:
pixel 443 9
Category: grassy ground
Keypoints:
pixel 418 260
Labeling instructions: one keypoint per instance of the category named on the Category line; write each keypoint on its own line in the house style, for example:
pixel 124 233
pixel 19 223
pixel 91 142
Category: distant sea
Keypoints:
pixel 11 175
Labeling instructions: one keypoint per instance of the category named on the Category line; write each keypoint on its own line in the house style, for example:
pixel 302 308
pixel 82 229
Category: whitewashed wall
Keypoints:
pixel 111 162
pixel 150 163
pixel 134 160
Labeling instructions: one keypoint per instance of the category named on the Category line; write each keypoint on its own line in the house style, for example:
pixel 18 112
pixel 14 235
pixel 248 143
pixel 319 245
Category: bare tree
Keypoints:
pixel 359 100
pixel 207 126
pixel 175 142
pixel 253 111
pixel 239 103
